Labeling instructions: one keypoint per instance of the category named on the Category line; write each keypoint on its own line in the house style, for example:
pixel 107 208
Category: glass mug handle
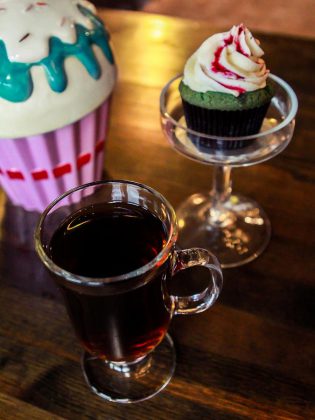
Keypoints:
pixel 199 302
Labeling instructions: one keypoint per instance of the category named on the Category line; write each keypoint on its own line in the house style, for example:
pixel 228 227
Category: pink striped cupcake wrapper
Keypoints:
pixel 37 169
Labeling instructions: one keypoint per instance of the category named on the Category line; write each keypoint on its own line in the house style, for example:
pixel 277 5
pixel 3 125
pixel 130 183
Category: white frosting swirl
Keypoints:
pixel 27 25
pixel 228 62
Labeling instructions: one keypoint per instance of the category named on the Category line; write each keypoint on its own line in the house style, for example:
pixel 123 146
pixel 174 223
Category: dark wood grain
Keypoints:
pixel 252 355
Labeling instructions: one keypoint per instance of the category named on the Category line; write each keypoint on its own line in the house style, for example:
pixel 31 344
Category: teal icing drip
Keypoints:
pixel 16 83
pixel 101 41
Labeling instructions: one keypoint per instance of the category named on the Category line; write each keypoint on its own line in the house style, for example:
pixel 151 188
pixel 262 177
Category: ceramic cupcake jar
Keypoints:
pixel 225 89
pixel 57 73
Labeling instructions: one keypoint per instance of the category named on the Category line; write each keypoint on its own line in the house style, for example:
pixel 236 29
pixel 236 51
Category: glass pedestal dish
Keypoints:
pixel 235 228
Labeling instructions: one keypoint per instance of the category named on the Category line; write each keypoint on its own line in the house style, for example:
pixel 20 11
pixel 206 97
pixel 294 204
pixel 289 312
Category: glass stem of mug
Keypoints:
pixel 220 215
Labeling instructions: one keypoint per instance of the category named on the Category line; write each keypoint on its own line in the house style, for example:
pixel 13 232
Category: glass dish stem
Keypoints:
pixel 221 191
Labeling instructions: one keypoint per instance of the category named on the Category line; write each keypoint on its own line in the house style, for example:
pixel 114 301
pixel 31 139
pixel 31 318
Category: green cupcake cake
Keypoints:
pixel 225 90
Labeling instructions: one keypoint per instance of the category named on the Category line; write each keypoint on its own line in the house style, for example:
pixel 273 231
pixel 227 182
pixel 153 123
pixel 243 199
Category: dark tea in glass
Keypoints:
pixel 110 246
pixel 107 240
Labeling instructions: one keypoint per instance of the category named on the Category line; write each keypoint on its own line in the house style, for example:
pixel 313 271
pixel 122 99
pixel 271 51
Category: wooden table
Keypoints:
pixel 252 355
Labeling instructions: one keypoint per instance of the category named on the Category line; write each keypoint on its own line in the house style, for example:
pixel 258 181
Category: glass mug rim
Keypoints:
pixel 160 258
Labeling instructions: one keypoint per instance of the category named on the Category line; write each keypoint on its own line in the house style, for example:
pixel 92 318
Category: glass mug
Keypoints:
pixel 110 247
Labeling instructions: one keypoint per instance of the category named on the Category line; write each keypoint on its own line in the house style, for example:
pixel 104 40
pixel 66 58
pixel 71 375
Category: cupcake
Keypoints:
pixel 57 74
pixel 225 90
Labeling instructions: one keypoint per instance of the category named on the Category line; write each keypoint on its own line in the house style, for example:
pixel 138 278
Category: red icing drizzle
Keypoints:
pixel 229 40
pixel 238 43
pixel 217 67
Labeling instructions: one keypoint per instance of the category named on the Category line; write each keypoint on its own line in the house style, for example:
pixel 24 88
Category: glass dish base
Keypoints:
pixel 237 231
pixel 131 382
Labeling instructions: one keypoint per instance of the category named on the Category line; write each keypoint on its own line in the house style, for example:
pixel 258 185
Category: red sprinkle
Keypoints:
pixel 83 160
pixel 39 175
pixel 62 170
pixel 41 3
pixel 14 174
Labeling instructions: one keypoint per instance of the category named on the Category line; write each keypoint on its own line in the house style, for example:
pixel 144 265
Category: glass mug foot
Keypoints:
pixel 238 233
pixel 131 382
